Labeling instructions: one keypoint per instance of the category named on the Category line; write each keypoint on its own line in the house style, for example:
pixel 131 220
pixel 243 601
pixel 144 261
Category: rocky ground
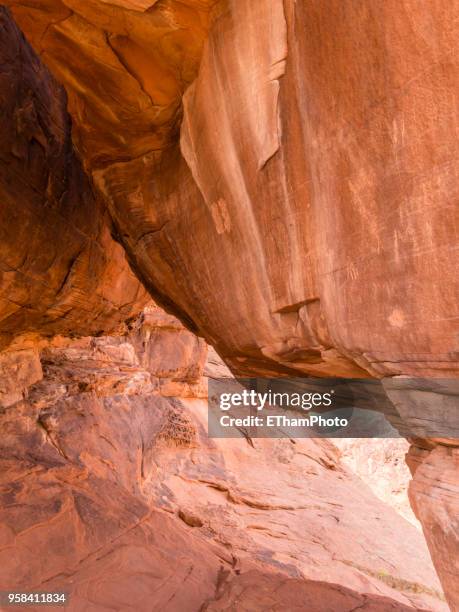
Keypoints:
pixel 108 476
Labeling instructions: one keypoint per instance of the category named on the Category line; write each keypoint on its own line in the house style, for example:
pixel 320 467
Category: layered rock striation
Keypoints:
pixel 310 165
pixel 109 477
pixel 305 223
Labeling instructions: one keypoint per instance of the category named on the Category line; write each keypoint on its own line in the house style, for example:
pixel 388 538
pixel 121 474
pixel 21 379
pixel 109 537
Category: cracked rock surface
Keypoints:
pixel 108 476
pixel 60 269
pixel 281 176
pixel 289 227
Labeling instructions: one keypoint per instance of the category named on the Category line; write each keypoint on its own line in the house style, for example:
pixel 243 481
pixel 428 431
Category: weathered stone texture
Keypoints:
pixel 60 269
pixel 127 504
pixel 306 223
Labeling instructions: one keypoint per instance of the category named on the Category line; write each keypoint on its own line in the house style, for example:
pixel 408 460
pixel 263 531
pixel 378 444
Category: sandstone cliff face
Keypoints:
pixel 306 223
pixel 127 504
pixel 312 162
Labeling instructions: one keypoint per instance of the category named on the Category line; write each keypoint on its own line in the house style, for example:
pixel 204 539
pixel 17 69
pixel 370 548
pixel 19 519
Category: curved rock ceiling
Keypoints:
pixel 290 231
pixel 282 176
pixel 125 66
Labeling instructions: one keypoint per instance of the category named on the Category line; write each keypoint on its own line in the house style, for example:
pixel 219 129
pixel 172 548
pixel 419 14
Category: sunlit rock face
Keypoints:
pixel 380 463
pixel 305 223
pixel 327 183
pixel 60 269
pixel 107 474
pixel 312 214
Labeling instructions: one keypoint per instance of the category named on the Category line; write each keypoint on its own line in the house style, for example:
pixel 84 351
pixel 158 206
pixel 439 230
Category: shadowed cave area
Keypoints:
pixel 200 189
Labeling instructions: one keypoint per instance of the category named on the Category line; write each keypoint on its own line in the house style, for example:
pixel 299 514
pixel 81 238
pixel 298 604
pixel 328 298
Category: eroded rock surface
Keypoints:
pixel 312 163
pixel 60 269
pixel 308 220
pixel 434 495
pixel 127 503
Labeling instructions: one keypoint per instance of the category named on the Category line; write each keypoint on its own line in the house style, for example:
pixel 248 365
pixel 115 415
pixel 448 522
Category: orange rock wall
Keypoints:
pixel 307 220
pixel 60 269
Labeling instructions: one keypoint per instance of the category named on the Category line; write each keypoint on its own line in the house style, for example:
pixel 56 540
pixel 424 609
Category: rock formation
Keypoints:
pixel 306 222
pixel 60 269
pixel 380 464
pixel 108 475
pixel 434 494
pixel 309 169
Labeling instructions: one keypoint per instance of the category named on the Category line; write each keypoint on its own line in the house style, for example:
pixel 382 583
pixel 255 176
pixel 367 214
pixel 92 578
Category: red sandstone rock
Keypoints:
pixel 126 503
pixel 297 144
pixel 60 269
pixel 170 352
pixel 310 225
pixel 126 65
pixel 18 370
pixel 434 495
